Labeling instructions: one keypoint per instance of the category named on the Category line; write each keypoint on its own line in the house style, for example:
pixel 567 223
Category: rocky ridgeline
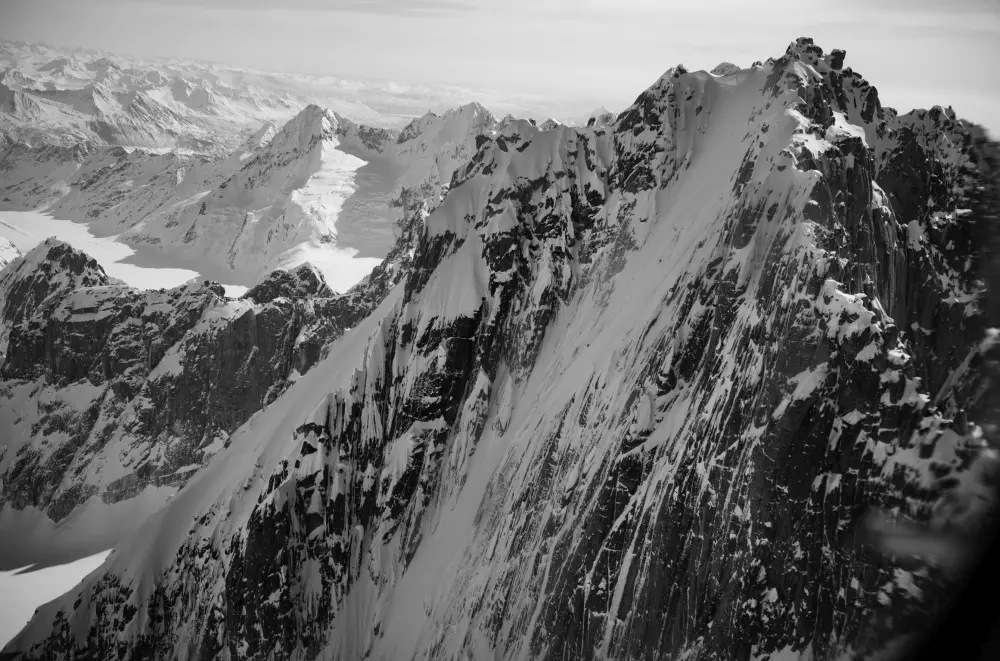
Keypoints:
pixel 632 392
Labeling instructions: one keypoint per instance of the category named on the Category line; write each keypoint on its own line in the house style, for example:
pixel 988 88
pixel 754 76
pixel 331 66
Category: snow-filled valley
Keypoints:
pixel 487 388
pixel 27 588
pixel 26 229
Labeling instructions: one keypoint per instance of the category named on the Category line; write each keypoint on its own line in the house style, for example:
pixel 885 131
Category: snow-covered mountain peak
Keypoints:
pixel 32 282
pixel 310 126
pixel 512 125
pixel 259 139
pixel 623 402
pixel 470 118
pixel 55 256
pixel 14 79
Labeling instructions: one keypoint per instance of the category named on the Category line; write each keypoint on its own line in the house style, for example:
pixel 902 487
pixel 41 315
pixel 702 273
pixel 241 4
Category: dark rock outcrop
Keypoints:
pixel 302 282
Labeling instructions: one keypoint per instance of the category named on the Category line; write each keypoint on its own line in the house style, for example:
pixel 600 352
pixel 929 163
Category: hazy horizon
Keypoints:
pixel 585 53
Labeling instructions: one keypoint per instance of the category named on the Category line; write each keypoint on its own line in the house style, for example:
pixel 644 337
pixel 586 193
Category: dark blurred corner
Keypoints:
pixel 969 628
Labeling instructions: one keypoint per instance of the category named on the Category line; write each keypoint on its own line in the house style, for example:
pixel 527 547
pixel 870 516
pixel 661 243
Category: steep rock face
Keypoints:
pixel 625 401
pixel 437 145
pixel 108 391
pixel 36 282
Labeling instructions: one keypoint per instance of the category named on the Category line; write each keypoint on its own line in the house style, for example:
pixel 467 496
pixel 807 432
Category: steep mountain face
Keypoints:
pixel 109 392
pixel 435 146
pixel 255 216
pixel 623 400
pixel 323 189
pixel 30 284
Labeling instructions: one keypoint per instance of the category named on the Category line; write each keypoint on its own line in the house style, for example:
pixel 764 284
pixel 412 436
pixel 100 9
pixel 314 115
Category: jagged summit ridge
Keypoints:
pixel 30 283
pixel 311 125
pixel 623 402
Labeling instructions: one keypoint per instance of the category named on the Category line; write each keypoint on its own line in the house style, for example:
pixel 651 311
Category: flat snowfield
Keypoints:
pixel 26 229
pixel 25 590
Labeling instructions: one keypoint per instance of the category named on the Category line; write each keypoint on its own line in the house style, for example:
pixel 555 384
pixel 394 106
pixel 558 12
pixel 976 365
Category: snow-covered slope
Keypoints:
pixel 626 399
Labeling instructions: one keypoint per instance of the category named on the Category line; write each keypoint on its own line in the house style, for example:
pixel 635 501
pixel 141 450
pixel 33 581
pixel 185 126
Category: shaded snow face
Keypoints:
pixel 627 399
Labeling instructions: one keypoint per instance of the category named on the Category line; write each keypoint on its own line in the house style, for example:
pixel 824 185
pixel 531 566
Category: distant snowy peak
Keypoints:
pixel 283 188
pixel 58 259
pixel 256 141
pixel 599 117
pixel 471 117
pixel 602 120
pixel 15 80
pixel 301 133
pixel 60 98
pixel 8 251
pixel 272 148
pixel 366 139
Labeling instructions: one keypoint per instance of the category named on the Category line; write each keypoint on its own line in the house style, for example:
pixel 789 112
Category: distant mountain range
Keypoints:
pixel 65 96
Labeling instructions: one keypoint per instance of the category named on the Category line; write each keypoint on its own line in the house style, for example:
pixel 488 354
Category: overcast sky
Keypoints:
pixel 918 53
